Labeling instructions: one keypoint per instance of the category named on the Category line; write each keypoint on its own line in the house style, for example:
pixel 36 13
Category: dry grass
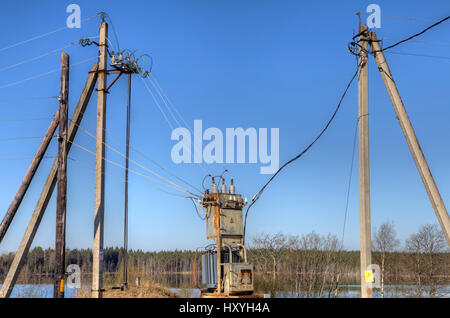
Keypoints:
pixel 148 289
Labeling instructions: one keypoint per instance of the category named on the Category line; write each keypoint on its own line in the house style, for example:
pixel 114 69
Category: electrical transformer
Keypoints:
pixel 225 268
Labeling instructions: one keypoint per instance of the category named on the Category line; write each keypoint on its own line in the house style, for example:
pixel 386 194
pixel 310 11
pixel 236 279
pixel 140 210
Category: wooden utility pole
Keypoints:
pixel 61 194
pixel 12 209
pixel 411 138
pixel 33 225
pixel 364 174
pixel 99 205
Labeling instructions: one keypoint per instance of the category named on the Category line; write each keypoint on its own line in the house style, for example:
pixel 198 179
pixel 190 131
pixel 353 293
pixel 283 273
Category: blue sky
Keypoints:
pixel 262 64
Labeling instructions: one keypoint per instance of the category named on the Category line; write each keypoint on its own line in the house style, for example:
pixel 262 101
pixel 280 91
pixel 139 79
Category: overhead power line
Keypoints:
pixel 25 158
pixel 37 57
pixel 132 171
pixel 44 74
pixel 259 193
pixel 421 55
pixel 404 18
pixel 164 101
pixel 170 106
pixel 8 100
pixel 418 41
pixel 169 101
pixel 83 164
pixel 40 36
pixel 104 14
pixel 20 138
pixel 415 35
pixel 355 137
pixel 23 119
pixel 157 104
pixel 124 156
pixel 146 157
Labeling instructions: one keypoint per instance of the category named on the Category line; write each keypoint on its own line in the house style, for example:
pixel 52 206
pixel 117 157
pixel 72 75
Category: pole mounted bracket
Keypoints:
pixel 102 90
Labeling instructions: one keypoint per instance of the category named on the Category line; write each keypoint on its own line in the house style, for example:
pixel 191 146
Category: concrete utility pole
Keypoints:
pixel 99 207
pixel 33 225
pixel 411 138
pixel 364 170
pixel 61 194
pixel 125 223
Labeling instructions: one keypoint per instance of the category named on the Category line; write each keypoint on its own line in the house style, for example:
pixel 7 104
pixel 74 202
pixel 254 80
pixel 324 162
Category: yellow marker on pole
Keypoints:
pixel 369 276
pixel 61 286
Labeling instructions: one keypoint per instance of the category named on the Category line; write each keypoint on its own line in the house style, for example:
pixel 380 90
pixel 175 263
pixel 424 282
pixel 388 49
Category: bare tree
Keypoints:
pixel 270 249
pixel 307 266
pixel 385 241
pixel 428 261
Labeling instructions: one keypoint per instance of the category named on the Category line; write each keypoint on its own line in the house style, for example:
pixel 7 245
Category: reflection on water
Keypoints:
pixel 38 291
pixel 183 285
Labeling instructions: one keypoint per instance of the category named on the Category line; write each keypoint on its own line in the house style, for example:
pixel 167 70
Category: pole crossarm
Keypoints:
pixel 47 190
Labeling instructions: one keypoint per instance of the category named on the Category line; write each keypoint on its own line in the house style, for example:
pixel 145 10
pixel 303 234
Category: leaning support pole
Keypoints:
pixel 46 193
pixel 99 205
pixel 60 237
pixel 364 175
pixel 28 177
pixel 411 138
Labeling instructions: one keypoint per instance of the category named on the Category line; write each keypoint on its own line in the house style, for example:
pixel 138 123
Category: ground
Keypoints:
pixel 147 289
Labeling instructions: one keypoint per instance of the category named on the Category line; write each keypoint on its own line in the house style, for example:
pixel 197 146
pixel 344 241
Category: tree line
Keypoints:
pixel 310 265
pixel 314 265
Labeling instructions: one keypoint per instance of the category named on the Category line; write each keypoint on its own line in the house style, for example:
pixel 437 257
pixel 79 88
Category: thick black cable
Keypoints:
pixel 258 195
pixel 413 36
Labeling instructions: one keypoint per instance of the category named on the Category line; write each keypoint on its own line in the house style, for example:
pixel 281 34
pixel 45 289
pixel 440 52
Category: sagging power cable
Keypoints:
pixel 415 35
pixel 259 193
pixel 401 41
pixel 403 18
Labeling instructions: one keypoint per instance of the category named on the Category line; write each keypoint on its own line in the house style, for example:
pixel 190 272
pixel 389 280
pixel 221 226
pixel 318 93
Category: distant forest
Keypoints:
pixel 311 265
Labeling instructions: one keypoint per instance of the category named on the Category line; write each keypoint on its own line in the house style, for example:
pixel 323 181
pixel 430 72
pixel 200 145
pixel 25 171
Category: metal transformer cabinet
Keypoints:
pixel 232 275
pixel 238 278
